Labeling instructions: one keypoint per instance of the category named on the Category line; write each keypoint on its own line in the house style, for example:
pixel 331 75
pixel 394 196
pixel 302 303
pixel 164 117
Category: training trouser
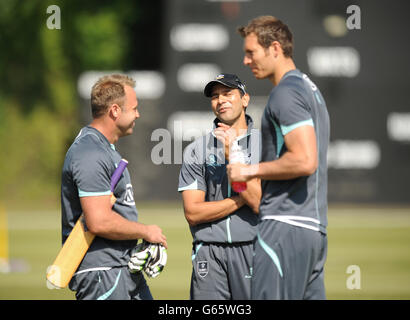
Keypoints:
pixel 221 271
pixel 288 262
pixel 113 284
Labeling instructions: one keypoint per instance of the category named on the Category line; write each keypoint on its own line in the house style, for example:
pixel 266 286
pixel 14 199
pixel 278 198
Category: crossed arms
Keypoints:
pixel 198 211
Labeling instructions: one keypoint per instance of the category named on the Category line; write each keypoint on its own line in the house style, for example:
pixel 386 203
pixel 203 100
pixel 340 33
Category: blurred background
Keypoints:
pixel 355 51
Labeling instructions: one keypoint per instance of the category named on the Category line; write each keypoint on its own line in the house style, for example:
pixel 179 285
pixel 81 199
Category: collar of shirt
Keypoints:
pixel 102 138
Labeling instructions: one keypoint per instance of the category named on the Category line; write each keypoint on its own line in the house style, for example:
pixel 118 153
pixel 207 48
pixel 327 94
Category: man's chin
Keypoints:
pixel 127 132
pixel 131 128
pixel 226 120
pixel 259 76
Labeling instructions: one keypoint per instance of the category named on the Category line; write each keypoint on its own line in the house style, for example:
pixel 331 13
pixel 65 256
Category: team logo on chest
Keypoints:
pixel 129 195
pixel 202 268
pixel 213 161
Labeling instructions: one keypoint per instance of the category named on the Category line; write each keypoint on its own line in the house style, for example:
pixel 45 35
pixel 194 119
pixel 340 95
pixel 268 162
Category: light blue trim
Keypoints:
pixel 316 193
pixel 317 173
pixel 286 129
pixel 196 251
pixel 82 193
pixel 112 147
pixel 318 97
pixel 279 139
pixel 109 292
pixel 228 229
pixel 272 254
pixel 192 186
pixel 228 220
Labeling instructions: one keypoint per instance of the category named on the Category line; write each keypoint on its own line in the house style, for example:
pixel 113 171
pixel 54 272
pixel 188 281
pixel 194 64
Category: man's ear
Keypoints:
pixel 245 100
pixel 275 48
pixel 114 110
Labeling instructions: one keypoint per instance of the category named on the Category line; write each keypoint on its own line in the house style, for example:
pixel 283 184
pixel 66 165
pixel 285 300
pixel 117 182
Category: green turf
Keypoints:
pixel 377 240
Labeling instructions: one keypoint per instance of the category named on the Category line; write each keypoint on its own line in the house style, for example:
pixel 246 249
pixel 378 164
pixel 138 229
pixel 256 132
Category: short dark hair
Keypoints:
pixel 269 29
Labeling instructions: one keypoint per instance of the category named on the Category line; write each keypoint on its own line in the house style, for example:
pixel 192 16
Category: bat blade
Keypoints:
pixel 77 243
pixel 70 255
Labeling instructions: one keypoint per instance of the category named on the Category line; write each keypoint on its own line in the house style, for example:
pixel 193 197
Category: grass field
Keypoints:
pixel 376 239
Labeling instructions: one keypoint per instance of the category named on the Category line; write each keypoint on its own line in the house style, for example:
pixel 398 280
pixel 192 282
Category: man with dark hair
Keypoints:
pixel 85 188
pixel 222 221
pixel 291 245
pixel 269 29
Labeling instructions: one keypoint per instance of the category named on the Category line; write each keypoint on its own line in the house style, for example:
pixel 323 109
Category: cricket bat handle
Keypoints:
pixel 77 243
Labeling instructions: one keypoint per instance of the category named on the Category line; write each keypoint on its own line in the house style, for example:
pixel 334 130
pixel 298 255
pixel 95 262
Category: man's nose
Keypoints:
pixel 246 61
pixel 221 98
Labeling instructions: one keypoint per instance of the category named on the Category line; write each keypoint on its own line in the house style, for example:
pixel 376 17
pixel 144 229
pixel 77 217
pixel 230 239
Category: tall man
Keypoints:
pixel 291 246
pixel 222 222
pixel 85 188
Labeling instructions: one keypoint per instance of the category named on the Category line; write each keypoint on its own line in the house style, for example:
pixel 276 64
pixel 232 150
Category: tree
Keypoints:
pixel 39 68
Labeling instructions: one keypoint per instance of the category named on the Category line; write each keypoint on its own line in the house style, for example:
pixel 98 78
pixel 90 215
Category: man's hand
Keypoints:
pixel 252 195
pixel 226 135
pixel 153 234
pixel 239 172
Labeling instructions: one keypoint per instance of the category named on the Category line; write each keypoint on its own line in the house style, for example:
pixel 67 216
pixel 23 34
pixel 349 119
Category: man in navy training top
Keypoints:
pixel 291 246
pixel 222 222
pixel 86 188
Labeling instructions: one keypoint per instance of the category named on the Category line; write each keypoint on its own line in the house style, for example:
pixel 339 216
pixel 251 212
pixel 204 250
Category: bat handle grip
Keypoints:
pixel 117 173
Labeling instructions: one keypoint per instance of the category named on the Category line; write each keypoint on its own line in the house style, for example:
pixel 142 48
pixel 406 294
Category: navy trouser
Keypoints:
pixel 288 262
pixel 113 284
pixel 221 271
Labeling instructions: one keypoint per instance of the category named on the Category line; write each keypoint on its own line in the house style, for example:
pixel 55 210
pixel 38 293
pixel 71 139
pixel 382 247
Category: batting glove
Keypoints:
pixel 157 262
pixel 140 256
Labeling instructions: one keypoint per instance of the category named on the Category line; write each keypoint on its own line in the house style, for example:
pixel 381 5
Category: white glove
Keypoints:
pixel 157 262
pixel 140 255
pixel 150 257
